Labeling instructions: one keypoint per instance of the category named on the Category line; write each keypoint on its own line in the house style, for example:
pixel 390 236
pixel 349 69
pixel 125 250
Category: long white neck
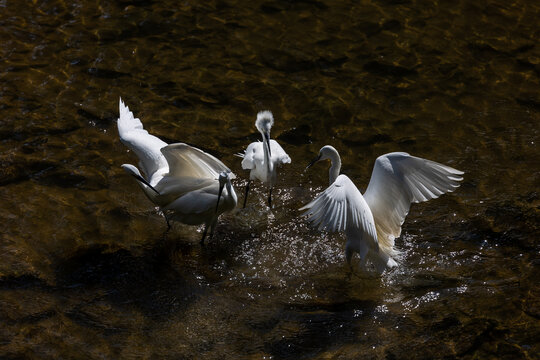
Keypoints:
pixel 333 173
pixel 268 163
pixel 228 198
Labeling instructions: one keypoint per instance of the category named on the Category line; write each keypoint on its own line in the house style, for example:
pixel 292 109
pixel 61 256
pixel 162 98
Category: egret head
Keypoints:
pixel 326 152
pixel 223 179
pixel 264 123
pixel 321 156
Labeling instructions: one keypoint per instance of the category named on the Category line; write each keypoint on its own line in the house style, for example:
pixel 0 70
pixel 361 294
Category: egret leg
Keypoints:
pixel 363 262
pixel 270 198
pixel 212 228
pixel 204 234
pixel 348 255
pixel 349 273
pixel 246 195
pixel 166 220
pixel 364 251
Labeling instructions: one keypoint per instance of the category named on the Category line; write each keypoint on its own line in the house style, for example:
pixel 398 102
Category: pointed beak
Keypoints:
pixel 219 195
pixel 141 179
pixel 267 138
pixel 313 161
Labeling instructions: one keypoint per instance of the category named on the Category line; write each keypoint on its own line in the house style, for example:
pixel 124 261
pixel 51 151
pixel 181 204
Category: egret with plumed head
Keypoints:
pixel 263 158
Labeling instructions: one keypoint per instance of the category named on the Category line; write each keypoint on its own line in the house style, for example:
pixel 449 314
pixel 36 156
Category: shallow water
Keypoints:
pixel 87 269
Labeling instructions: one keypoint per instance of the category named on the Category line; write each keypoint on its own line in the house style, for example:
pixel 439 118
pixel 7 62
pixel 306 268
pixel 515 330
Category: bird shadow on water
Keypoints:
pixel 146 281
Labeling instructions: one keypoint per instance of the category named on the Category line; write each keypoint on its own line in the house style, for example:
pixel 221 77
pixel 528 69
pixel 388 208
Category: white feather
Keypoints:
pixel 184 180
pixel 399 179
pixel 263 160
pixel 372 222
pixel 147 147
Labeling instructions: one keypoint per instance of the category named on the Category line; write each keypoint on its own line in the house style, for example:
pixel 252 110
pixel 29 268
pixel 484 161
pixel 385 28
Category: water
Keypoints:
pixel 87 269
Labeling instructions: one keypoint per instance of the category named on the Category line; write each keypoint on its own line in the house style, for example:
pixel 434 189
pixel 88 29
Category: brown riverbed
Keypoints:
pixel 87 269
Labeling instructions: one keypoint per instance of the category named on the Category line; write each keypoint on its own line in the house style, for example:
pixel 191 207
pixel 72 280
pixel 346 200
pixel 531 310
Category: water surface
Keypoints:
pixel 87 269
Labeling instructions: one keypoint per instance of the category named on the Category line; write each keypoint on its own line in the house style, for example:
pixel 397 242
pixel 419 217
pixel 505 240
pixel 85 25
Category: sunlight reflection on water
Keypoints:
pixel 87 268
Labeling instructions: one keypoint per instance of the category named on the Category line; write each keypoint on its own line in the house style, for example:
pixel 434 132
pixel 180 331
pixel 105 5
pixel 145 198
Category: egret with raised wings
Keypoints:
pixel 188 184
pixel 263 158
pixel 372 222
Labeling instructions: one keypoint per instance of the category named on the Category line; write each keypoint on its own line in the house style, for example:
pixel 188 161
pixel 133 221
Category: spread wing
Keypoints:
pixel 399 179
pixel 189 162
pixel 279 156
pixel 253 156
pixel 144 145
pixel 339 207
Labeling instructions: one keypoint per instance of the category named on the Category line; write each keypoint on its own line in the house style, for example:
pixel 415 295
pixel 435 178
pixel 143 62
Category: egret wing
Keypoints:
pixel 339 207
pixel 399 179
pixel 253 156
pixel 171 188
pixel 186 161
pixel 144 145
pixel 195 202
pixel 279 155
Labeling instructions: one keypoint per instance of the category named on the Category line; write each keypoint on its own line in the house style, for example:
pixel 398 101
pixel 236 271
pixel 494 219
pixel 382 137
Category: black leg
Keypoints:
pixel 270 198
pixel 349 273
pixel 204 234
pixel 166 220
pixel 246 194
pixel 213 228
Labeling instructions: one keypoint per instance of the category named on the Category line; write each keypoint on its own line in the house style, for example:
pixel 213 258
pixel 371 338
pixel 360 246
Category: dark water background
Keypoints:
pixel 87 269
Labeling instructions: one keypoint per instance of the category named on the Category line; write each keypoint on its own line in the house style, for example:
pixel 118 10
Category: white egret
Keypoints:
pixel 373 221
pixel 263 158
pixel 185 182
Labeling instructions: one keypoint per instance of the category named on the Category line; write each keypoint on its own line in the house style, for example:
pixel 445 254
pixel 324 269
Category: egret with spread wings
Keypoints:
pixel 263 158
pixel 188 184
pixel 373 221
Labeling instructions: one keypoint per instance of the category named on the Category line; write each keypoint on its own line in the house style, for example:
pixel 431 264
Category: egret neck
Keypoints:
pixel 267 153
pixel 230 196
pixel 335 160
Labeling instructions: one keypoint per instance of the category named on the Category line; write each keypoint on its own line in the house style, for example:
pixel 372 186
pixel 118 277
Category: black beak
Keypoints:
pixel 141 179
pixel 267 138
pixel 219 195
pixel 313 161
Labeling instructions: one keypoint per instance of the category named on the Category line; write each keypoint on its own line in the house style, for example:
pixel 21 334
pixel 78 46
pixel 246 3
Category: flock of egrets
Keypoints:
pixel 193 187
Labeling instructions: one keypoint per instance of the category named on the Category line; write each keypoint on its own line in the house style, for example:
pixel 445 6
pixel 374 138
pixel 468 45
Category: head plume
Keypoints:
pixel 264 121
